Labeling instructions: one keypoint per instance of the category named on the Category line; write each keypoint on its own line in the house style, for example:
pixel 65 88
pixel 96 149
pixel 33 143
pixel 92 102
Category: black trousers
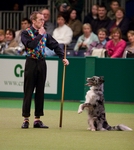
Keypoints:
pixel 34 78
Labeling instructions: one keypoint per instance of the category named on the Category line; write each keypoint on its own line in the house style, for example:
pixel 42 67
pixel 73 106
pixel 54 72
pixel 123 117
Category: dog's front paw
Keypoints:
pixel 80 109
pixel 88 128
pixel 93 130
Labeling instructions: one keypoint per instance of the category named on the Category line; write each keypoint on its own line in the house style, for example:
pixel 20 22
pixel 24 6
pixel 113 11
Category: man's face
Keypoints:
pixel 9 36
pixel 39 21
pixel 114 6
pixel 102 11
pixel 24 25
pixel 46 14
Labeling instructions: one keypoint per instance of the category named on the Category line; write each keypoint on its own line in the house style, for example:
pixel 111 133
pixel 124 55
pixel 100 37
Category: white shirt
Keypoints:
pixel 63 35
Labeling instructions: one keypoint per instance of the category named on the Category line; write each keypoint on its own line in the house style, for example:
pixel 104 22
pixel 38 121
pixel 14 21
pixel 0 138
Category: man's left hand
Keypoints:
pixel 65 62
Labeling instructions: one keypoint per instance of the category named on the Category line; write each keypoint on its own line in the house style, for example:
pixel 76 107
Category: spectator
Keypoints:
pixel 16 7
pixel 86 39
pixel 121 22
pixel 102 21
pixel 114 5
pixel 101 44
pixel 129 50
pixel 48 25
pixel 75 24
pixel 11 47
pixel 78 6
pixel 2 41
pixel 25 23
pixel 62 5
pixel 92 15
pixel 63 34
pixel 116 46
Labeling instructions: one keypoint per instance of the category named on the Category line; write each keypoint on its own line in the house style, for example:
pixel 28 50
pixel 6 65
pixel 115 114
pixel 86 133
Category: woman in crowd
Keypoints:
pixel 2 41
pixel 86 38
pixel 92 15
pixel 62 34
pixel 75 24
pixel 121 22
pixel 101 44
pixel 116 46
pixel 129 50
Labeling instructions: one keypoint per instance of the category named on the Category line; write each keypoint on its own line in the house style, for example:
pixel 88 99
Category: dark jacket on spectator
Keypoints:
pixel 123 25
pixel 89 18
pixel 97 24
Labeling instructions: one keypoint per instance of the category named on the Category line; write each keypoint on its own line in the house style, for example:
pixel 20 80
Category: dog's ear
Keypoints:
pixel 102 79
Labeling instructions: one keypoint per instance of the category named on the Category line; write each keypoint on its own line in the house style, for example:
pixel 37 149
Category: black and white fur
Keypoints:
pixel 94 104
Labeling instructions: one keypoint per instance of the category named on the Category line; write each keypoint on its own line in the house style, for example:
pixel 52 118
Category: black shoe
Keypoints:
pixel 25 125
pixel 39 124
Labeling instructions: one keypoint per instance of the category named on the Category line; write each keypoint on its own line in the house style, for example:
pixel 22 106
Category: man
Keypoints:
pixel 102 21
pixel 35 39
pixel 114 6
pixel 48 25
pixel 25 23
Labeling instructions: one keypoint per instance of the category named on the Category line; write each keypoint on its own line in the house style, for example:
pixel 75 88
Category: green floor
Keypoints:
pixel 73 134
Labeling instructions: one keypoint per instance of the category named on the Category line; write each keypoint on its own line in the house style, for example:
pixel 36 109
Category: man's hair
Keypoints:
pixel 102 30
pixel 12 31
pixel 102 6
pixel 115 1
pixel 34 14
pixel 26 19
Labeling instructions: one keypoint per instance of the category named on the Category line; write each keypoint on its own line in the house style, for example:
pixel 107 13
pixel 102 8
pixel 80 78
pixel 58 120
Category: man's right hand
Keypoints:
pixel 42 31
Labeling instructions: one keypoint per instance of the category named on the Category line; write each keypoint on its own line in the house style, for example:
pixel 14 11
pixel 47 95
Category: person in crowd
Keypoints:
pixel 62 34
pixel 2 41
pixel 121 22
pixel 35 39
pixel 116 46
pixel 48 25
pixel 25 23
pixel 16 7
pixel 11 46
pixel 75 24
pixel 114 5
pixel 102 21
pixel 129 50
pixel 86 38
pixel 93 15
pixel 101 44
pixel 62 5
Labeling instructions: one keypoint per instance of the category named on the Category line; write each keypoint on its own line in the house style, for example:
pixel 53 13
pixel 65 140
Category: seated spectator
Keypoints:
pixel 129 50
pixel 11 46
pixel 49 26
pixel 114 5
pixel 91 15
pixel 2 41
pixel 121 22
pixel 101 44
pixel 63 34
pixel 25 23
pixel 102 21
pixel 62 5
pixel 75 24
pixel 116 46
pixel 86 38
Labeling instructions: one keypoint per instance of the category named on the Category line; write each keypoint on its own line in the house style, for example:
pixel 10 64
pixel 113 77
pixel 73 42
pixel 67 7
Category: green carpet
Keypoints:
pixel 73 134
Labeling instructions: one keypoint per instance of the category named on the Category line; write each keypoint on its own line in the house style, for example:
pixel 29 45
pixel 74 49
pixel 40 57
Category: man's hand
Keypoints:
pixel 65 62
pixel 42 31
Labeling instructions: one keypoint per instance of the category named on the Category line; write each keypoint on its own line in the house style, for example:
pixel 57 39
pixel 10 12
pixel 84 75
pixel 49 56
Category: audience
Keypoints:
pixel 25 23
pixel 102 21
pixel 2 41
pixel 101 44
pixel 63 34
pixel 116 46
pixel 75 24
pixel 120 21
pixel 11 46
pixel 62 5
pixel 114 5
pixel 49 26
pixel 93 15
pixel 86 38
pixel 129 50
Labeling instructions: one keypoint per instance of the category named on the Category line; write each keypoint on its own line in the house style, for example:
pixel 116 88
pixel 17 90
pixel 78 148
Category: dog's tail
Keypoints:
pixel 120 127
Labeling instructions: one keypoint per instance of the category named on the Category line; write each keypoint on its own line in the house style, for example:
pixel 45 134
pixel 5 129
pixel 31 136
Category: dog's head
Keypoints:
pixel 95 81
